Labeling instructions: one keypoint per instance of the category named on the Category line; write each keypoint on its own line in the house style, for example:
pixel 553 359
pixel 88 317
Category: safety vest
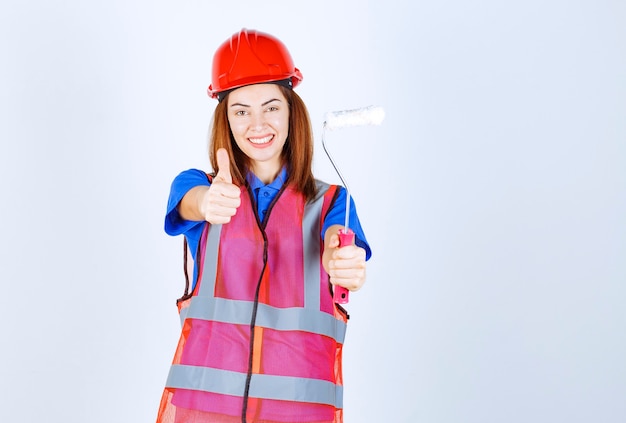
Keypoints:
pixel 261 336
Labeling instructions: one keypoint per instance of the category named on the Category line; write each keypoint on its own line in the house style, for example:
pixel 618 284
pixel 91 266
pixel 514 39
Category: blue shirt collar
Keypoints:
pixel 277 183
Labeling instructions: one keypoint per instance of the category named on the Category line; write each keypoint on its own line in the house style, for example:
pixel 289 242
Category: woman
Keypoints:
pixel 262 337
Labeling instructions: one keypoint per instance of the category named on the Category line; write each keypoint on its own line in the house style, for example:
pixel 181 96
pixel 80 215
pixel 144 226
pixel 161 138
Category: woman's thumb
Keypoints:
pixel 223 166
pixel 334 241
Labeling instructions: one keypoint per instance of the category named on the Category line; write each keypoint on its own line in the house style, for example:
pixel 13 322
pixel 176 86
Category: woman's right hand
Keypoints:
pixel 221 200
pixel 216 203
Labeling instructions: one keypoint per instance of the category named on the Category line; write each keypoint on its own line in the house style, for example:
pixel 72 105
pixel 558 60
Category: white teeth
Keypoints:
pixel 261 140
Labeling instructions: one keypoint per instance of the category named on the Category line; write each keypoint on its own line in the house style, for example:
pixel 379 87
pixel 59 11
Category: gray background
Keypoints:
pixel 493 195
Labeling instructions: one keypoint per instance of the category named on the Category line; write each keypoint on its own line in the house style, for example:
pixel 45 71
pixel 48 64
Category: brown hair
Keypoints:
pixel 297 153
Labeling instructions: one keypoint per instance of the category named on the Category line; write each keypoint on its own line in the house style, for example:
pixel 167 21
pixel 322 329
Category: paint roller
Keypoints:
pixel 371 115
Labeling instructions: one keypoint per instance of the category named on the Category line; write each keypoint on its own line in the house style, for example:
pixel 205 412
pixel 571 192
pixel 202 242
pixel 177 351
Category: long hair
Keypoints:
pixel 297 152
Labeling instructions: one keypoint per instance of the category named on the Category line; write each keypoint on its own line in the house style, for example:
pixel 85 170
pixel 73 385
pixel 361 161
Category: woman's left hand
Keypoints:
pixel 346 264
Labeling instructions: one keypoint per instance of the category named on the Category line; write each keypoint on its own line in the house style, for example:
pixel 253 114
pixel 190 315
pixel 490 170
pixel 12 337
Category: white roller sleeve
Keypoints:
pixel 371 115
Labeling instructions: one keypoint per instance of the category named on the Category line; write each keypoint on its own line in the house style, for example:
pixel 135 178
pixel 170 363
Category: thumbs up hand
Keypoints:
pixel 220 202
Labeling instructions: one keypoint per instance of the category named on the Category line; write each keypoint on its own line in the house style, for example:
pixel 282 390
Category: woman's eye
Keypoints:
pixel 240 113
pixel 272 109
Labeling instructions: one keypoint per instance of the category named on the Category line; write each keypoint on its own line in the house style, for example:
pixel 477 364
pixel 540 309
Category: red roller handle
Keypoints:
pixel 346 237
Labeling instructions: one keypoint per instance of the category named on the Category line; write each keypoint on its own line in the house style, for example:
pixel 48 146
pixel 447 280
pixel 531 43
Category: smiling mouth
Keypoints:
pixel 263 140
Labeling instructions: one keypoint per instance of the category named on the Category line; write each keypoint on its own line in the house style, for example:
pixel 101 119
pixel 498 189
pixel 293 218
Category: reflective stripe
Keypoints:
pixel 283 388
pixel 311 248
pixel 293 318
pixel 209 272
pixel 209 269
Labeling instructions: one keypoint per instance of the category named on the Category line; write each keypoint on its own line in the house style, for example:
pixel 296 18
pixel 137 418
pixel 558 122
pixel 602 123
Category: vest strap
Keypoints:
pixel 226 382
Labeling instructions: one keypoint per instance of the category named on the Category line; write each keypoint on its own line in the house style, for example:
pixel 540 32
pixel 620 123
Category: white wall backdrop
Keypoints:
pixel 494 197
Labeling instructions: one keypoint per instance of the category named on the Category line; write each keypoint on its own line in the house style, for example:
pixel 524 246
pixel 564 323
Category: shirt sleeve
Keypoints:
pixel 186 180
pixel 337 216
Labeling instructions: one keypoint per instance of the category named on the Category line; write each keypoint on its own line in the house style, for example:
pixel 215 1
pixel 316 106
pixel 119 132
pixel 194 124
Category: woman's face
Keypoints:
pixel 259 120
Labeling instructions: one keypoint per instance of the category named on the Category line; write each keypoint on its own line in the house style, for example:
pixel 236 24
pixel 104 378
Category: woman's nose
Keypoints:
pixel 258 121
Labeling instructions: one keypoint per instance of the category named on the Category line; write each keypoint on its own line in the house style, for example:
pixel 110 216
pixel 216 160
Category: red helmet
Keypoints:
pixel 251 57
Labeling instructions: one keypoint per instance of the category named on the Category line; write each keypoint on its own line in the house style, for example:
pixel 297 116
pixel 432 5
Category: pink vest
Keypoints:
pixel 262 338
